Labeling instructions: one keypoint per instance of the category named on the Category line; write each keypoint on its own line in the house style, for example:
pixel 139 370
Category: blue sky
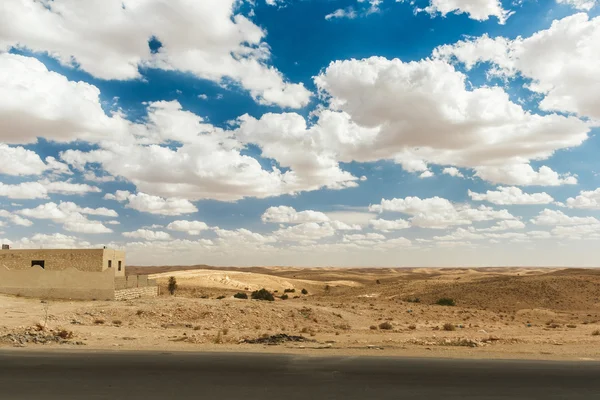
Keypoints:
pixel 307 132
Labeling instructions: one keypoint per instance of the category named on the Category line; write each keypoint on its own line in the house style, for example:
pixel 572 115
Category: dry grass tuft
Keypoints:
pixel 449 327
pixel 386 326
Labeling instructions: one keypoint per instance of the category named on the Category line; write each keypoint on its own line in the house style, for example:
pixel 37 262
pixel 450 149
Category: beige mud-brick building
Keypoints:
pixel 82 274
pixel 86 260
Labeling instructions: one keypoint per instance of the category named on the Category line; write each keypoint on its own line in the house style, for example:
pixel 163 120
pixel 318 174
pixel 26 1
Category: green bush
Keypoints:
pixel 262 294
pixel 221 297
pixel 445 301
pixel 284 296
pixel 289 291
pixel 240 296
pixel 304 291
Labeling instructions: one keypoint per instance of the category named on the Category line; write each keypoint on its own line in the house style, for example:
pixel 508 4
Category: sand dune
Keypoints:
pixel 216 279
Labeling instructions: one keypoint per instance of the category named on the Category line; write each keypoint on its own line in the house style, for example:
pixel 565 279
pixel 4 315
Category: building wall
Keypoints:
pixel 87 260
pixel 68 283
pixel 114 256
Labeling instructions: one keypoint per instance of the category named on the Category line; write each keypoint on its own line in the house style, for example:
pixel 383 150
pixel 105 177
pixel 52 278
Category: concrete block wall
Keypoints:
pixel 136 293
pixel 142 280
pixel 120 282
pixel 132 281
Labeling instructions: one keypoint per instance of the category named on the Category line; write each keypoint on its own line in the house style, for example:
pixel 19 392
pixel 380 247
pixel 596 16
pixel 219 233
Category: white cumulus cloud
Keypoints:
pixel 480 10
pixel 147 234
pixel 564 73
pixel 205 38
pixel 511 195
pixel 587 199
pixel 190 227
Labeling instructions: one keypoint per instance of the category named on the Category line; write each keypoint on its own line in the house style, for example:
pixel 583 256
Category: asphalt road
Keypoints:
pixel 150 376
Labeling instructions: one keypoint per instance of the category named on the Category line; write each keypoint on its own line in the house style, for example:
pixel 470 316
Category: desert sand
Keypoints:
pixel 540 313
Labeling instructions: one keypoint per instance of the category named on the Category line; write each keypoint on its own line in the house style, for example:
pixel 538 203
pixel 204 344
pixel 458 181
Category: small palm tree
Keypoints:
pixel 172 285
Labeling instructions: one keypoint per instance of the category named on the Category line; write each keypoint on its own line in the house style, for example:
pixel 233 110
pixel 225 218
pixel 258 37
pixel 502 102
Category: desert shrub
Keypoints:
pixel 117 322
pixel 415 300
pixel 225 331
pixel 172 285
pixel 373 327
pixel 445 301
pixel 240 295
pixel 596 332
pixel 197 328
pixel 289 291
pixel 344 327
pixel 99 321
pixel 378 282
pixel 304 291
pixel 571 326
pixel 139 312
pixel 327 288
pixel 284 297
pixel 64 334
pixel 412 327
pixel 221 297
pixel 386 326
pixel 262 294
pixel 304 330
pixel 449 327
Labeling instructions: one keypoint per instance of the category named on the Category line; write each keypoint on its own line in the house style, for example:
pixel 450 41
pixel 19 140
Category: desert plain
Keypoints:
pixel 507 313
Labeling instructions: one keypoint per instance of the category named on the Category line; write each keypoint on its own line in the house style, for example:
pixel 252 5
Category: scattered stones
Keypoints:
pixel 276 339
pixel 35 336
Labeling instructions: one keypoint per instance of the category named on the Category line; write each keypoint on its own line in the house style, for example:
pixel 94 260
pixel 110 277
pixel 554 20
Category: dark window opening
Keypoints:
pixel 119 265
pixel 109 263
pixel 39 263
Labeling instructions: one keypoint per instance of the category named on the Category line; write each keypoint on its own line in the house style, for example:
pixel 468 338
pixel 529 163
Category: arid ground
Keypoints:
pixel 528 313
